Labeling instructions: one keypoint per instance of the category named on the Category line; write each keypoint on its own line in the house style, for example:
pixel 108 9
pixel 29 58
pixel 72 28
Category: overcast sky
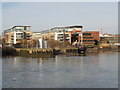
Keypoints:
pixel 42 16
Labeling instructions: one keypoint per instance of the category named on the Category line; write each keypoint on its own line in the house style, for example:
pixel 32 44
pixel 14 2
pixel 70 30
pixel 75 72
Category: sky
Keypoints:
pixel 46 15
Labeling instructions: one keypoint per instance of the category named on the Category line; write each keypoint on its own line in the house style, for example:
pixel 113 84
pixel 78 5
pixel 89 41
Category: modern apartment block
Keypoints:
pixel 73 34
pixel 85 37
pixel 22 36
pixel 111 39
pixel 18 29
pixel 63 29
pixel 90 37
pixel 95 34
pixel 61 33
pixel 17 35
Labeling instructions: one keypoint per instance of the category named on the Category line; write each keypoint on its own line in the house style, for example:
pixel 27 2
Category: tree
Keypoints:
pixel 53 43
pixel 57 44
pixel 23 43
pixel 96 42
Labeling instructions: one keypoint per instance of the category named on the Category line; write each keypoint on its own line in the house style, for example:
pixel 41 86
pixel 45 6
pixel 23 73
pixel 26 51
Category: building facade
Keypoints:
pixel 21 36
pixel 61 33
pixel 17 35
pixel 85 37
pixel 91 37
pixel 95 34
pixel 111 39
pixel 73 34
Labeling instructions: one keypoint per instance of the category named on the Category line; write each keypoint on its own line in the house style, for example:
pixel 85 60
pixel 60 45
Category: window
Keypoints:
pixel 87 40
pixel 25 28
pixel 59 31
pixel 21 36
pixel 61 39
pixel 88 37
pixel 28 34
pixel 67 35
pixel 86 33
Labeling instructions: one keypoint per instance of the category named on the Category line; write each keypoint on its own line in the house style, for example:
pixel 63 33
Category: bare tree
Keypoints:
pixel 57 44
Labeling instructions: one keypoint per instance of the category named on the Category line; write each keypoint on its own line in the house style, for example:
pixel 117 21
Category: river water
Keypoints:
pixel 98 70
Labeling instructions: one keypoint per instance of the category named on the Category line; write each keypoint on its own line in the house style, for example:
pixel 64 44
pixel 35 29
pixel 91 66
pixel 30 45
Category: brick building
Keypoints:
pixel 111 39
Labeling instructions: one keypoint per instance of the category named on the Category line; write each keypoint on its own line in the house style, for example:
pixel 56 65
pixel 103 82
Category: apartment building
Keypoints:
pixel 18 29
pixel 73 34
pixel 17 35
pixel 85 37
pixel 88 38
pixel 61 33
pixel 91 37
pixel 95 34
pixel 111 39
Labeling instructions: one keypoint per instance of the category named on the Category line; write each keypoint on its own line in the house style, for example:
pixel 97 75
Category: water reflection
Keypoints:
pixel 91 71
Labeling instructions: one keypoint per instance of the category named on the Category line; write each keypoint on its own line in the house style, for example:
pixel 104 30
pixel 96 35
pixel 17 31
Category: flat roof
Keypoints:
pixel 76 26
pixel 91 31
pixel 20 26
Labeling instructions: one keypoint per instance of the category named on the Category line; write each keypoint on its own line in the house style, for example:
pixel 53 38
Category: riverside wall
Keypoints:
pixel 63 50
pixel 37 52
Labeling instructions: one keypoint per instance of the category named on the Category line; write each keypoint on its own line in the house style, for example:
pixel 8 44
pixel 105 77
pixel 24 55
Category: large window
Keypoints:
pixel 88 37
pixel 88 40
pixel 86 33
pixel 25 28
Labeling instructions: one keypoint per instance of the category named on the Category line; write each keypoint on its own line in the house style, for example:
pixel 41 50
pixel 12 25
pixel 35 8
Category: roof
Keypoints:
pixel 20 26
pixel 76 26
pixel 91 31
pixel 36 32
